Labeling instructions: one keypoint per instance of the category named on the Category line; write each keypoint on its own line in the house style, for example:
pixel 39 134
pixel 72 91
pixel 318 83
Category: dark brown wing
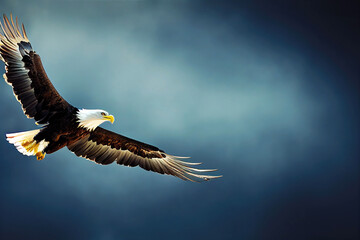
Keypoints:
pixel 25 73
pixel 104 147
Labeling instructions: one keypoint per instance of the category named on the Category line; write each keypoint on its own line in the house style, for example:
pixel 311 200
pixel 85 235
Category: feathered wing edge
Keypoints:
pixel 13 35
pixel 13 31
pixel 25 73
pixel 14 45
pixel 155 161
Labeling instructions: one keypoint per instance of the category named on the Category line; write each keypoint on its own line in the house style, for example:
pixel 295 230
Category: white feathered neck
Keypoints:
pixel 90 118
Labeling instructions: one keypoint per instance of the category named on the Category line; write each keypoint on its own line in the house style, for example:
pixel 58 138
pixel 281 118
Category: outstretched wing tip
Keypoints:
pixel 178 157
pixel 183 171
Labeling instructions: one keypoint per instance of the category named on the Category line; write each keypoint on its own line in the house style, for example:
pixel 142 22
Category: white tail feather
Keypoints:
pixel 25 143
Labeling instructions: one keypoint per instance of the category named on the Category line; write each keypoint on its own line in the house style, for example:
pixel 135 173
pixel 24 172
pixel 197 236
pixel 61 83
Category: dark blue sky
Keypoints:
pixel 266 91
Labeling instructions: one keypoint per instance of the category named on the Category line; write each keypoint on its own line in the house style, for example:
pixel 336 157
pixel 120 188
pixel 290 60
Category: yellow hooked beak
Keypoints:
pixel 109 118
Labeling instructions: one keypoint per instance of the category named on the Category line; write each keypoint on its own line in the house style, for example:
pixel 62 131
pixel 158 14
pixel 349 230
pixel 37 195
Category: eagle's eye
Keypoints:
pixel 103 114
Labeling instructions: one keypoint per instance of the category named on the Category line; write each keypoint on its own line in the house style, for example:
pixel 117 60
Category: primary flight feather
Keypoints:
pixel 66 125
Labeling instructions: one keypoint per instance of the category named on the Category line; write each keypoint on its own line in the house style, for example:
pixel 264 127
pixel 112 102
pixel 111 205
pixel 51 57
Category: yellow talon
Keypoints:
pixel 40 155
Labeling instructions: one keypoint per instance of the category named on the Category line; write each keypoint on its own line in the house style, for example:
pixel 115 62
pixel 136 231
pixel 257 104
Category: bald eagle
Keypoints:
pixel 65 125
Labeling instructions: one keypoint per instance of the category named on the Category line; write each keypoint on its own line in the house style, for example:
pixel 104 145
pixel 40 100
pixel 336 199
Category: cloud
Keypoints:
pixel 190 83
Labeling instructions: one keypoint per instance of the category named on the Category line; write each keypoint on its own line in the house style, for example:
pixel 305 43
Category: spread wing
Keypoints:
pixel 25 73
pixel 104 147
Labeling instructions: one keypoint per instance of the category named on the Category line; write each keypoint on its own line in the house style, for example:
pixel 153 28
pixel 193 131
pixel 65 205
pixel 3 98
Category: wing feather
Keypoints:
pixel 105 147
pixel 25 73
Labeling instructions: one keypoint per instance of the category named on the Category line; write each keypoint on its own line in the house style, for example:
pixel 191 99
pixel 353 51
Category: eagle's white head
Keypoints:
pixel 91 119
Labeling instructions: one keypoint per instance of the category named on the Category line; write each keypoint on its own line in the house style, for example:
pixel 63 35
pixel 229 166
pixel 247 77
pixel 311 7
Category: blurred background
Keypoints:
pixel 265 91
